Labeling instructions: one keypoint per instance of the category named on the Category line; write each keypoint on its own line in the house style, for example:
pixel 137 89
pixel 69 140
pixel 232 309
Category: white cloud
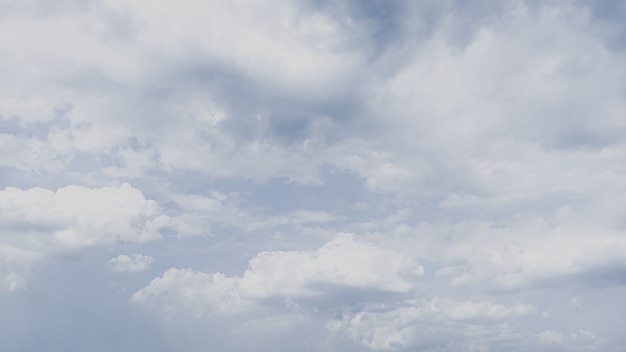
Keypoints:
pixel 105 104
pixel 484 139
pixel 340 263
pixel 501 118
pixel 284 45
pixel 130 263
pixel 537 256
pixel 582 340
pixel 487 98
pixel 411 325
pixel 194 293
pixel 37 222
pixel 573 244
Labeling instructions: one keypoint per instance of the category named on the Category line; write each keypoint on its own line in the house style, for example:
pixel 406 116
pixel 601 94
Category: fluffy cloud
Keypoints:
pixel 194 293
pixel 38 222
pixel 339 264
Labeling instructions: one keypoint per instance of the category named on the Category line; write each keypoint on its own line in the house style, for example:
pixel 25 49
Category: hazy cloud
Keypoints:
pixel 130 263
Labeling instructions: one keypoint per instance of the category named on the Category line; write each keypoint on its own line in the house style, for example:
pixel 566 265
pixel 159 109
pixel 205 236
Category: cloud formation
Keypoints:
pixel 342 263
pixel 312 175
pixel 38 223
pixel 429 324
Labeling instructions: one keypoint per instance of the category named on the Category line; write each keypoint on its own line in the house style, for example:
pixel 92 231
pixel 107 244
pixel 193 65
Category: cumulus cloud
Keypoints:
pixel 341 263
pixel 194 293
pixel 37 222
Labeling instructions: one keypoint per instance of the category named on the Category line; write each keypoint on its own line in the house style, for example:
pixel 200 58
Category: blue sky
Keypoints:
pixel 312 175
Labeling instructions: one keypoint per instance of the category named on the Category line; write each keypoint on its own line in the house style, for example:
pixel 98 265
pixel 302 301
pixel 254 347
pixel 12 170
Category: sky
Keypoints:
pixel 312 175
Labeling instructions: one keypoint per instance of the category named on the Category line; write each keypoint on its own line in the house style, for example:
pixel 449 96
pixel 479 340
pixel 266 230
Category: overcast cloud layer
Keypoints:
pixel 312 175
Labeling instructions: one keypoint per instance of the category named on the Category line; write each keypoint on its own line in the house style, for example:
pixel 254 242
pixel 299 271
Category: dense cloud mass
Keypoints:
pixel 312 175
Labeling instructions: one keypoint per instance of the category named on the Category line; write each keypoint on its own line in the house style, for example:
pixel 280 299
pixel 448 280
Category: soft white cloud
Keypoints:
pixel 528 256
pixel 577 243
pixel 130 263
pixel 194 293
pixel 339 264
pixel 37 223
